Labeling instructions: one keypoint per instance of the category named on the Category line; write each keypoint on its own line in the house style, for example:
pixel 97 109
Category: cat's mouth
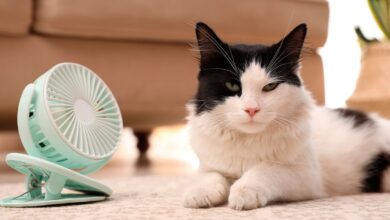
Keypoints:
pixel 250 126
pixel 250 122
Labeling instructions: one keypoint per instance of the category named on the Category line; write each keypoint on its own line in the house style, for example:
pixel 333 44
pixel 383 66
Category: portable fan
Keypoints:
pixel 70 124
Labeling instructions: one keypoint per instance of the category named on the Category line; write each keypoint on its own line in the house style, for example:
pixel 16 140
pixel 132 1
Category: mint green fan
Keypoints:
pixel 70 124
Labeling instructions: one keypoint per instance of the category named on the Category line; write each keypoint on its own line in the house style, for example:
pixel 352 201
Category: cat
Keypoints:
pixel 260 137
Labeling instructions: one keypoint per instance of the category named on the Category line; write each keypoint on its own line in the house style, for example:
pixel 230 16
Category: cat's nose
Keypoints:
pixel 252 111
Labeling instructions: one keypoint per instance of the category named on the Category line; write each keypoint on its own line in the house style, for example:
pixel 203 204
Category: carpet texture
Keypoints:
pixel 159 197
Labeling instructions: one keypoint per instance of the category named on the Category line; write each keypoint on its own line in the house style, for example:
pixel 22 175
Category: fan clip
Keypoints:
pixel 45 182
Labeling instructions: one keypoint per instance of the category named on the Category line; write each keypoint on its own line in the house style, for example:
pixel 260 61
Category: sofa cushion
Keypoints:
pixel 250 21
pixel 15 16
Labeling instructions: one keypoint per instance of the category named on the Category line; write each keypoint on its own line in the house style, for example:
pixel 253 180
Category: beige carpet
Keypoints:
pixel 158 197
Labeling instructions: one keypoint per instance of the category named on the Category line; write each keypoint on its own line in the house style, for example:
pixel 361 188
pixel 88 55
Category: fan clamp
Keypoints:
pixel 46 182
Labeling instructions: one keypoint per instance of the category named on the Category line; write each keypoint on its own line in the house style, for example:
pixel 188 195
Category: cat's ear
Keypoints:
pixel 290 47
pixel 209 44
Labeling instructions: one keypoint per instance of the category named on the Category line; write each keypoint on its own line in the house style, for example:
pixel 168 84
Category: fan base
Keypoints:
pixel 25 201
pixel 46 176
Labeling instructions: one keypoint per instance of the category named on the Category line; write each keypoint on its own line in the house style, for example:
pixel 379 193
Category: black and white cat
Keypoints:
pixel 260 138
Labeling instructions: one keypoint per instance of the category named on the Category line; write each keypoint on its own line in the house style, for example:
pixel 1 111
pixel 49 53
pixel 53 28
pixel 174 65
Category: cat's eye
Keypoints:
pixel 232 86
pixel 270 87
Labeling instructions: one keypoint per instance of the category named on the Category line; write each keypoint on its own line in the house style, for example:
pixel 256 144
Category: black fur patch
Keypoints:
pixel 221 62
pixel 359 118
pixel 374 173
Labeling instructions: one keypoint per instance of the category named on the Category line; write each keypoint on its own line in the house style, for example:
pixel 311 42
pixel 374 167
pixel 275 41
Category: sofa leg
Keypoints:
pixel 143 145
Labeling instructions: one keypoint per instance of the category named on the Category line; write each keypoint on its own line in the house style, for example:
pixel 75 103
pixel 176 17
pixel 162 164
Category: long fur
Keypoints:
pixel 290 150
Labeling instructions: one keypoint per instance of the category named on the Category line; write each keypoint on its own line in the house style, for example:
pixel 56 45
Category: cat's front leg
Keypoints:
pixel 269 182
pixel 210 189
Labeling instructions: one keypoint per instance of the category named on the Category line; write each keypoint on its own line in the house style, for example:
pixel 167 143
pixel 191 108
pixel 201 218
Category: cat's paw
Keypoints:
pixel 243 197
pixel 204 196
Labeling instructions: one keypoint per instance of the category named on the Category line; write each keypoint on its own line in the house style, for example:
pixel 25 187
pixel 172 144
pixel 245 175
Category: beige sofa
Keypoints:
pixel 141 48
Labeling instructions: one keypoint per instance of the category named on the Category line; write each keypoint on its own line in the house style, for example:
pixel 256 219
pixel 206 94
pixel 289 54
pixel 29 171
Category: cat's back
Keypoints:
pixel 344 129
pixel 346 140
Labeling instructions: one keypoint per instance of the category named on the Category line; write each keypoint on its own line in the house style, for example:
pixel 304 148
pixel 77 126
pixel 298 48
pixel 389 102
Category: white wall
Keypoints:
pixel 341 53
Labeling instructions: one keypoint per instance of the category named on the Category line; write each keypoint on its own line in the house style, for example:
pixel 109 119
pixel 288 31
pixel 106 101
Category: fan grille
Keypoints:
pixel 84 110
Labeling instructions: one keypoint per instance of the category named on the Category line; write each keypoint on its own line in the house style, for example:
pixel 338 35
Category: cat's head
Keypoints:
pixel 249 87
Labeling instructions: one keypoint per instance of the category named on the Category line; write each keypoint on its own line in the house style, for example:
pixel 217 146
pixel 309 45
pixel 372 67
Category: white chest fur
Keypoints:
pixel 232 153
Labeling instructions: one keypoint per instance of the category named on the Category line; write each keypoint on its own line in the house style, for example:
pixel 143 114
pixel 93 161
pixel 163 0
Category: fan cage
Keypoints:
pixel 67 83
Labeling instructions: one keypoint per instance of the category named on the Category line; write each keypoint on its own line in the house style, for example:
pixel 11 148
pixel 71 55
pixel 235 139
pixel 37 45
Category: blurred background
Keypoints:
pixel 342 52
pixel 141 50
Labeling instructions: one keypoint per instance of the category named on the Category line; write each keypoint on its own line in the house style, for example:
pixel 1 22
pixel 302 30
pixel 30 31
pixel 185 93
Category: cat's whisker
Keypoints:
pixel 280 58
pixel 294 64
pixel 287 122
pixel 220 48
pixel 204 104
pixel 270 69
pixel 275 55
pixel 282 123
pixel 279 118
pixel 231 55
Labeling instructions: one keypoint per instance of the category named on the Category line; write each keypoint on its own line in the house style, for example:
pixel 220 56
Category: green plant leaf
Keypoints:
pixel 380 11
pixel 385 15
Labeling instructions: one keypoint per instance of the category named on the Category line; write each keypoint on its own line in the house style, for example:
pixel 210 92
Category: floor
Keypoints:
pixel 155 191
pixel 169 154
pixel 158 197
